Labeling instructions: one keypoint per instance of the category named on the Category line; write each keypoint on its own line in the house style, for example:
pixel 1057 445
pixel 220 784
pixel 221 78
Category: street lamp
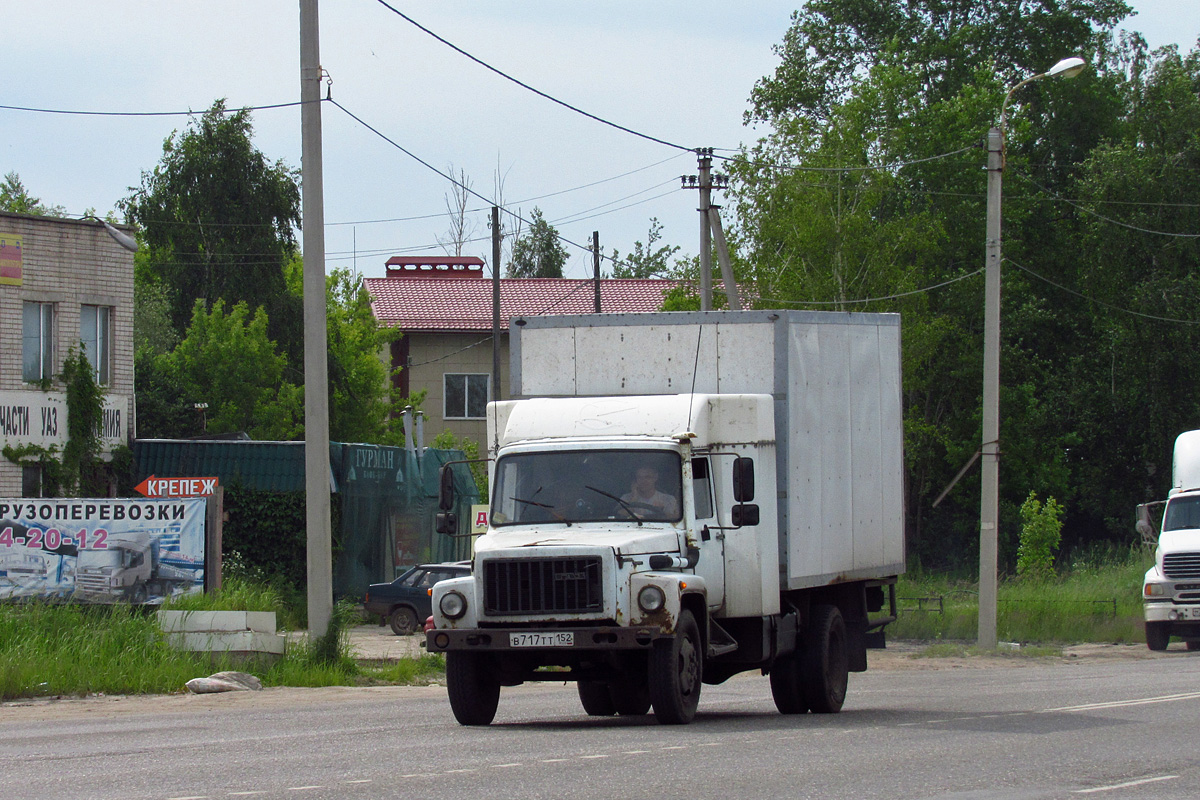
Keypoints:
pixel 989 500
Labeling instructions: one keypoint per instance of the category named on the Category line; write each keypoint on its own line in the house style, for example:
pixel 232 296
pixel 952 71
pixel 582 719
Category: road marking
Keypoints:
pixel 599 755
pixel 504 766
pixel 1126 785
pixel 633 753
pixel 304 788
pixel 553 760
pixel 247 794
pixel 193 797
pixel 360 780
pixel 1166 698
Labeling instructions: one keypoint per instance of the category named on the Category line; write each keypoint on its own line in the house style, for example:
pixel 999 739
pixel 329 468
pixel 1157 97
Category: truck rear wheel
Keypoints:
pixel 824 666
pixel 676 669
pixel 473 686
pixel 1158 635
pixel 787 684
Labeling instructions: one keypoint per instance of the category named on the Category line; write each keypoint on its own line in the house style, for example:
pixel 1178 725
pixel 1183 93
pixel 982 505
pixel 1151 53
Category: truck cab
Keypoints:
pixel 610 522
pixel 1171 589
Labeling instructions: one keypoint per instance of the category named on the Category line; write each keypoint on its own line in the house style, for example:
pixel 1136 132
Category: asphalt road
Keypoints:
pixel 1119 728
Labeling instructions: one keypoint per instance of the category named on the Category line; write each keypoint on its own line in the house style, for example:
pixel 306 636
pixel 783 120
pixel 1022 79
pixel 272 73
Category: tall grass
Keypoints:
pixel 58 649
pixel 1092 599
pixel 48 650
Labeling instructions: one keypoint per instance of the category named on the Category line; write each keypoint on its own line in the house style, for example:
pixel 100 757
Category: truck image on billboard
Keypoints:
pixel 101 550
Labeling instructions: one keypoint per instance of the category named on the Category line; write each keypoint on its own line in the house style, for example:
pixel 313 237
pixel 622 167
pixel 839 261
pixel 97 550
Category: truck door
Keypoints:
pixel 708 539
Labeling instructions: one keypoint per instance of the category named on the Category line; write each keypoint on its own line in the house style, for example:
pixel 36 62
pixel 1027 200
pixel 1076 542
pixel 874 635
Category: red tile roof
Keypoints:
pixel 436 304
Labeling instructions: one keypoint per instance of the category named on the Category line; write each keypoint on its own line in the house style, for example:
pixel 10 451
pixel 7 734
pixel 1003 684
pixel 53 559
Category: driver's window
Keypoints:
pixel 702 488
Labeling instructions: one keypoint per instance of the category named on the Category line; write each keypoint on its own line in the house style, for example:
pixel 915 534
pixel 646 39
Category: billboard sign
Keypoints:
pixel 101 550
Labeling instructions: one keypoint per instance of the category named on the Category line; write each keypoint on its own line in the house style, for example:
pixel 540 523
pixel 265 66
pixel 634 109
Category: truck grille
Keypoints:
pixel 536 586
pixel 1180 566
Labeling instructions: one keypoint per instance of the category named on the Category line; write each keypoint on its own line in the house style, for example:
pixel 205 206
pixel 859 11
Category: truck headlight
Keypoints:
pixel 1155 590
pixel 651 599
pixel 452 605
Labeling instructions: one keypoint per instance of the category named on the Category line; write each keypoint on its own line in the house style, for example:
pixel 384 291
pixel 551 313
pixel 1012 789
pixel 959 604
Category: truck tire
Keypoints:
pixel 473 687
pixel 138 594
pixel 1193 644
pixel 403 621
pixel 787 684
pixel 630 698
pixel 1158 635
pixel 676 669
pixel 596 698
pixel 824 664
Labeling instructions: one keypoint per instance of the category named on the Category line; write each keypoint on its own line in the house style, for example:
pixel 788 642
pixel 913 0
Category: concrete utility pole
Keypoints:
pixel 989 500
pixel 316 378
pixel 706 182
pixel 705 166
pixel 496 302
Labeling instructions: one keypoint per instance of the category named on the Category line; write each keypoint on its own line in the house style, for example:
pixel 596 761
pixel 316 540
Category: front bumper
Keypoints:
pixel 497 639
pixel 1177 613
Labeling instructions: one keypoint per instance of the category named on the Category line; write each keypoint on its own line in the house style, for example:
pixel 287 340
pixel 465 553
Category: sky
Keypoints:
pixel 681 72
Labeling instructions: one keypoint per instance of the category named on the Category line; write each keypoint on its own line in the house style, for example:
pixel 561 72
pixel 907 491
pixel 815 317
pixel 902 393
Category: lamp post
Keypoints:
pixel 989 498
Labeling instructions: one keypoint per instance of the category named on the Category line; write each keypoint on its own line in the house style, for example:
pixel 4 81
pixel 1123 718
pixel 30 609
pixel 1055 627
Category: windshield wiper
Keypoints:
pixel 624 505
pixel 559 517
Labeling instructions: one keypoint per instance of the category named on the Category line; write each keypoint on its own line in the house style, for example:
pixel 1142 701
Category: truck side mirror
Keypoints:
pixel 446 522
pixel 445 488
pixel 743 479
pixel 744 515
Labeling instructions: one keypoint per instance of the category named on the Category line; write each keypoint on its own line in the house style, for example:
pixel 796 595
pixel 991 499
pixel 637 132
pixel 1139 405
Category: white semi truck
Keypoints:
pixel 1171 589
pixel 677 498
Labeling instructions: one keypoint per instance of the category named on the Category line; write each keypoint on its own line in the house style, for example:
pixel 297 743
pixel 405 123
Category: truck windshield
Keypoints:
pixel 588 486
pixel 97 559
pixel 1183 513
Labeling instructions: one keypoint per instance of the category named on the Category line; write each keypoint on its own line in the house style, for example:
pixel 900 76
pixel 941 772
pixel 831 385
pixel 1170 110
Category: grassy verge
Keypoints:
pixel 51 650
pixel 1087 602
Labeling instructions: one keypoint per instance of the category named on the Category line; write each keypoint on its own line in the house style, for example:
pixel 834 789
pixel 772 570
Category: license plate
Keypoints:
pixel 1192 612
pixel 542 639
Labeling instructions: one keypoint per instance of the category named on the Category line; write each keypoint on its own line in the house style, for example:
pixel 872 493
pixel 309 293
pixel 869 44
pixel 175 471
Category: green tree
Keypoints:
pixel 228 361
pixel 646 261
pixel 852 196
pixel 218 222
pixel 538 253
pixel 15 197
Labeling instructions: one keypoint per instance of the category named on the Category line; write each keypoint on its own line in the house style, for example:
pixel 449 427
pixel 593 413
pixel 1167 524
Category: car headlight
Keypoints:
pixel 651 599
pixel 1155 590
pixel 452 605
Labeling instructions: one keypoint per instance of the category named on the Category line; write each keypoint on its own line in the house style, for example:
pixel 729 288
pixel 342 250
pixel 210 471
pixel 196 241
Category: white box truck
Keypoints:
pixel 677 498
pixel 1171 589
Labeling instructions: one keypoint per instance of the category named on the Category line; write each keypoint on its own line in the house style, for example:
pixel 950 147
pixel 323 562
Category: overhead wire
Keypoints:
pixel 526 86
pixel 1101 303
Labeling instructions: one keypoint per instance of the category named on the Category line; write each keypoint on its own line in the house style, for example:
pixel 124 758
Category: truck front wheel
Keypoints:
pixel 1158 635
pixel 473 685
pixel 787 684
pixel 676 669
pixel 824 663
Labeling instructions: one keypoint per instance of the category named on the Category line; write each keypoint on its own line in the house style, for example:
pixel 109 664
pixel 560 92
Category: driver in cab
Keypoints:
pixel 645 498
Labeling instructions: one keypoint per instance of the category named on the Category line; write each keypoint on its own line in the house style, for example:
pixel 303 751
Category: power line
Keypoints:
pixel 151 113
pixel 874 299
pixel 1109 220
pixel 526 86
pixel 1101 303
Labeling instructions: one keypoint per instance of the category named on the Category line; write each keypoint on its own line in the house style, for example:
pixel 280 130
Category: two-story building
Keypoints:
pixel 64 283
pixel 443 304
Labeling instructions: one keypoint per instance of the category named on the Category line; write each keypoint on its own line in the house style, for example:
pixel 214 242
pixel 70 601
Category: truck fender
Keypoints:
pixel 674 586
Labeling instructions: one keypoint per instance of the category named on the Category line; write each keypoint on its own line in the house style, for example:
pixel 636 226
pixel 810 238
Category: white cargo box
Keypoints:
pixel 835 380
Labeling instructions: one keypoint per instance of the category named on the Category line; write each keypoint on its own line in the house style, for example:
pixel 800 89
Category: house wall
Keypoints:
pixel 68 263
pixel 433 355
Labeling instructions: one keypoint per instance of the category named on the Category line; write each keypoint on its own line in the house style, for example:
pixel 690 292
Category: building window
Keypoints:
pixel 466 396
pixel 37 337
pixel 95 328
pixel 31 480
